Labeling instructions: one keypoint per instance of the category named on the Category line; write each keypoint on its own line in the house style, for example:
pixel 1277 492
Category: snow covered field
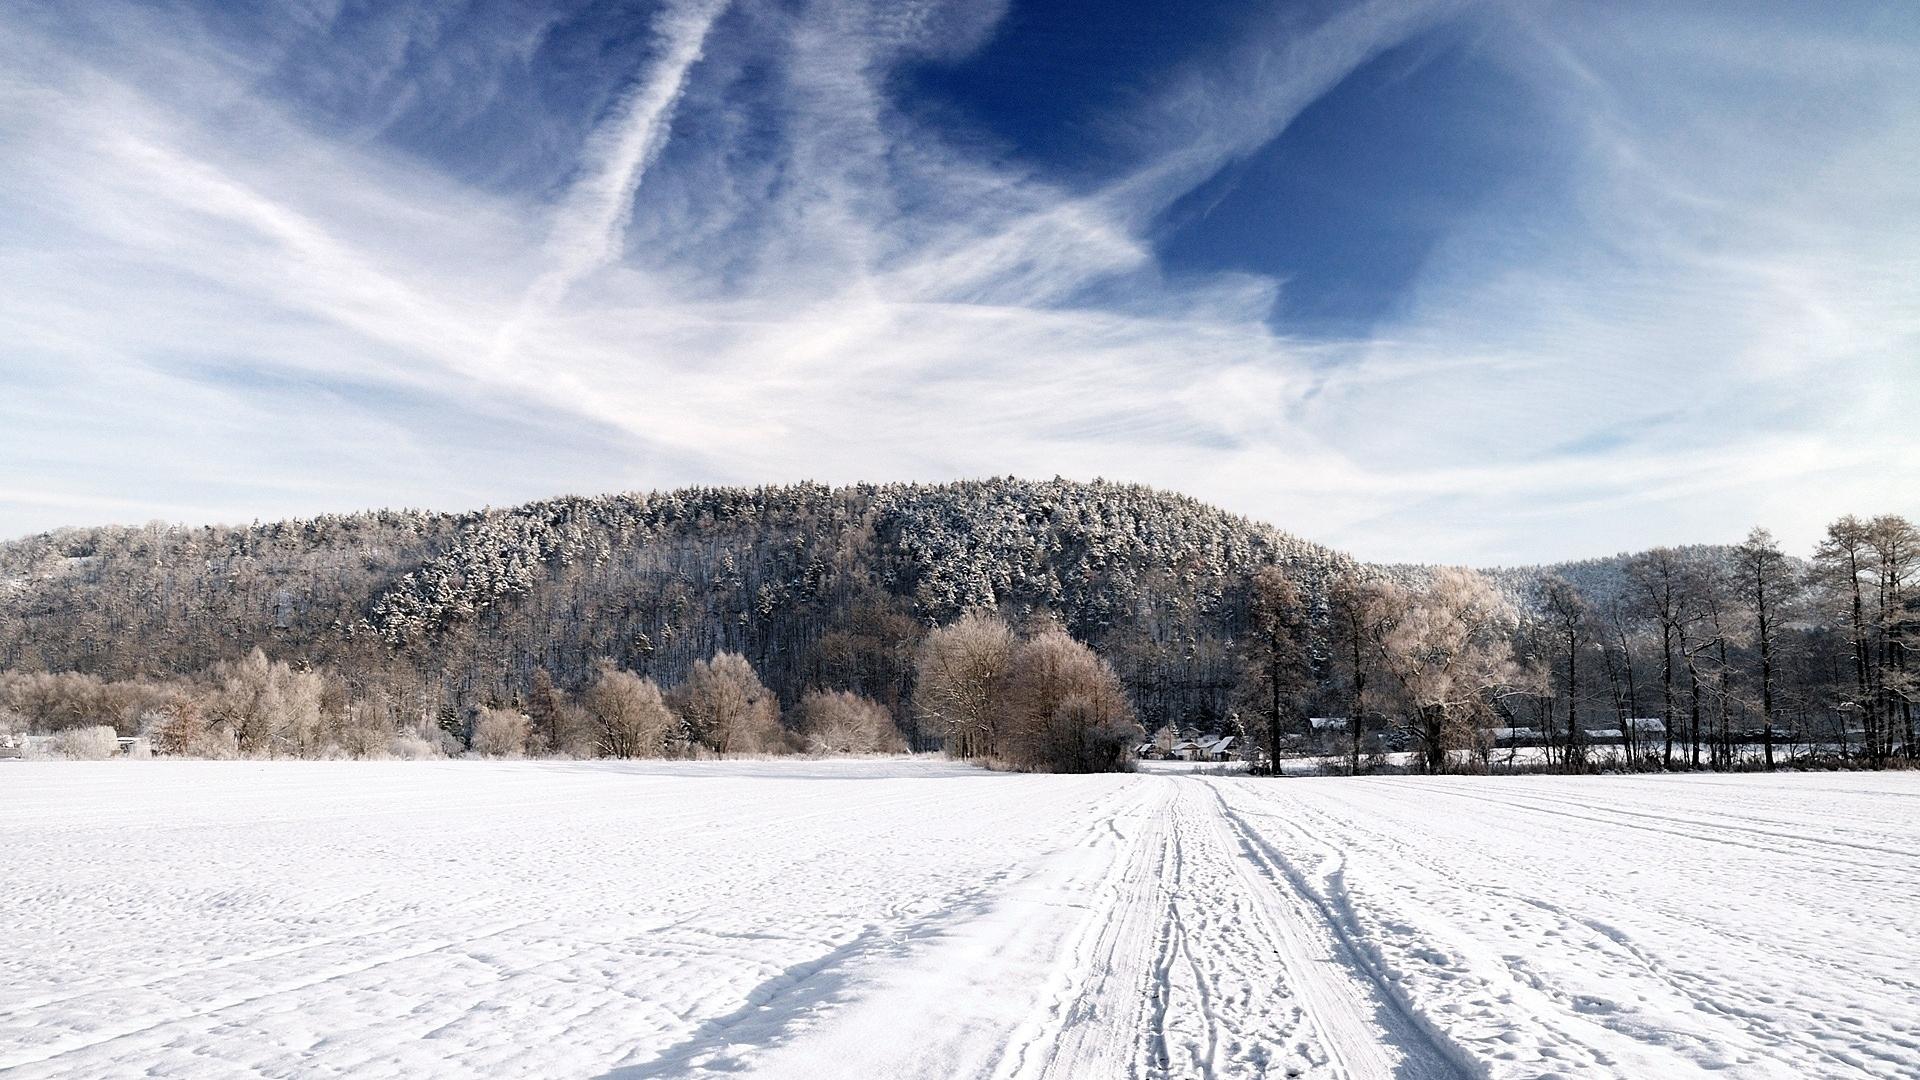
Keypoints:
pixel 911 918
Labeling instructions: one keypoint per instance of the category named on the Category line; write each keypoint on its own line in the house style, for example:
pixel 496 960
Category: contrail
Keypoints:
pixel 594 215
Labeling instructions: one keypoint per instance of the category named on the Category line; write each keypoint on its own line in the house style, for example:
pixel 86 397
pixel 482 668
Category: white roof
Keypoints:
pixel 1321 723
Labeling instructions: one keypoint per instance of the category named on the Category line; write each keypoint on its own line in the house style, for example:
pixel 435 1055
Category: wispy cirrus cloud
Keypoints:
pixel 500 252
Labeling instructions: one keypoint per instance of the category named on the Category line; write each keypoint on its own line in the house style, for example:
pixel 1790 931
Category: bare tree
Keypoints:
pixel 1452 654
pixel 1843 559
pixel 1716 602
pixel 369 723
pixel 1276 672
pixel 1359 613
pixel 1622 631
pixel 1767 584
pixel 1896 549
pixel 1066 709
pixel 1570 617
pixel 1663 591
pixel 727 708
pixel 958 683
pixel 546 709
pixel 630 714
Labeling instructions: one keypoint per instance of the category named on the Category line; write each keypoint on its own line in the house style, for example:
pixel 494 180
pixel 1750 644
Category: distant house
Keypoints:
pixel 1160 745
pixel 1643 728
pixel 1515 736
pixel 1186 750
pixel 1328 723
pixel 1220 749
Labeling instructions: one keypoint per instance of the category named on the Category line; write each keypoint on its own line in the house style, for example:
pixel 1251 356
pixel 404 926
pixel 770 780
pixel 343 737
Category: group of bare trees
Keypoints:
pixel 1733 657
pixel 1703 657
pixel 250 707
pixel 1433 663
pixel 1040 701
pixel 722 707
pixel 258 707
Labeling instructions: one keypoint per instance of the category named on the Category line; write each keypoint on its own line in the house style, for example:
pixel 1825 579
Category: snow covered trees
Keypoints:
pixel 725 707
pixel 1451 652
pixel 629 714
pixel 815 586
pixel 268 708
pixel 374 627
pixel 500 733
pixel 96 743
pixel 1047 703
pixel 958 682
pixel 843 722
pixel 1065 709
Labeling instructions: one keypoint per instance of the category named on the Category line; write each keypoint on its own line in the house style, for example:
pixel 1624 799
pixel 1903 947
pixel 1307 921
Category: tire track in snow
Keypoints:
pixel 1627 1013
pixel 1601 814
pixel 1359 1008
pixel 1200 957
pixel 1092 1004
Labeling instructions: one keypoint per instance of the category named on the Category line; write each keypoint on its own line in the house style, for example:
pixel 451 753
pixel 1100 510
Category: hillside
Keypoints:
pixel 815 585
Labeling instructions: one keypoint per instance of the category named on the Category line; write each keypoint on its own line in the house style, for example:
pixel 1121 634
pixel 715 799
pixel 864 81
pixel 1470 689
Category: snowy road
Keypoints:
pixel 911 919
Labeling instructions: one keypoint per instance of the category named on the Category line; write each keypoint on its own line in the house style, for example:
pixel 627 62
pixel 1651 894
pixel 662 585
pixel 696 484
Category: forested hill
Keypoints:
pixel 816 585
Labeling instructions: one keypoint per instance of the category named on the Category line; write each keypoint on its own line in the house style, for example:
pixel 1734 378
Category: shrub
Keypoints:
pixel 96 743
pixel 500 733
pixel 411 746
pixel 841 722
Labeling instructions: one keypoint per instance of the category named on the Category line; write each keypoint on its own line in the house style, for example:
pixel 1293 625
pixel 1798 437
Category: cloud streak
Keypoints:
pixel 592 220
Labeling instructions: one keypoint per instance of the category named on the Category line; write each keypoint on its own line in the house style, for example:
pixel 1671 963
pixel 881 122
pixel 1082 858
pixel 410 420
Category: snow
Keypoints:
pixel 901 917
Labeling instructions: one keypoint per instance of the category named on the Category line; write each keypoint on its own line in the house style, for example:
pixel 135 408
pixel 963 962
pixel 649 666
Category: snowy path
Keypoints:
pixel 913 919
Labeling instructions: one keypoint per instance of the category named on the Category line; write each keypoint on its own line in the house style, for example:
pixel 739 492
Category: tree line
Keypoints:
pixel 1038 701
pixel 405 633
pixel 1674 658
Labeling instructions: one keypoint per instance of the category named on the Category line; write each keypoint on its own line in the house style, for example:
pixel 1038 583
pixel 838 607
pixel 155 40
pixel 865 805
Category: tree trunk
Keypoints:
pixel 1433 720
pixel 1666 692
pixel 1573 690
pixel 1766 683
pixel 1359 708
pixel 1273 714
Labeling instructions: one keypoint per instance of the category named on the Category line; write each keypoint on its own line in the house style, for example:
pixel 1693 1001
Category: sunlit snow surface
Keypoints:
pixel 911 918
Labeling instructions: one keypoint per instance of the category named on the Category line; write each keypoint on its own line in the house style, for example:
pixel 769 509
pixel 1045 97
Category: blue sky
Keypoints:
pixel 1479 282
